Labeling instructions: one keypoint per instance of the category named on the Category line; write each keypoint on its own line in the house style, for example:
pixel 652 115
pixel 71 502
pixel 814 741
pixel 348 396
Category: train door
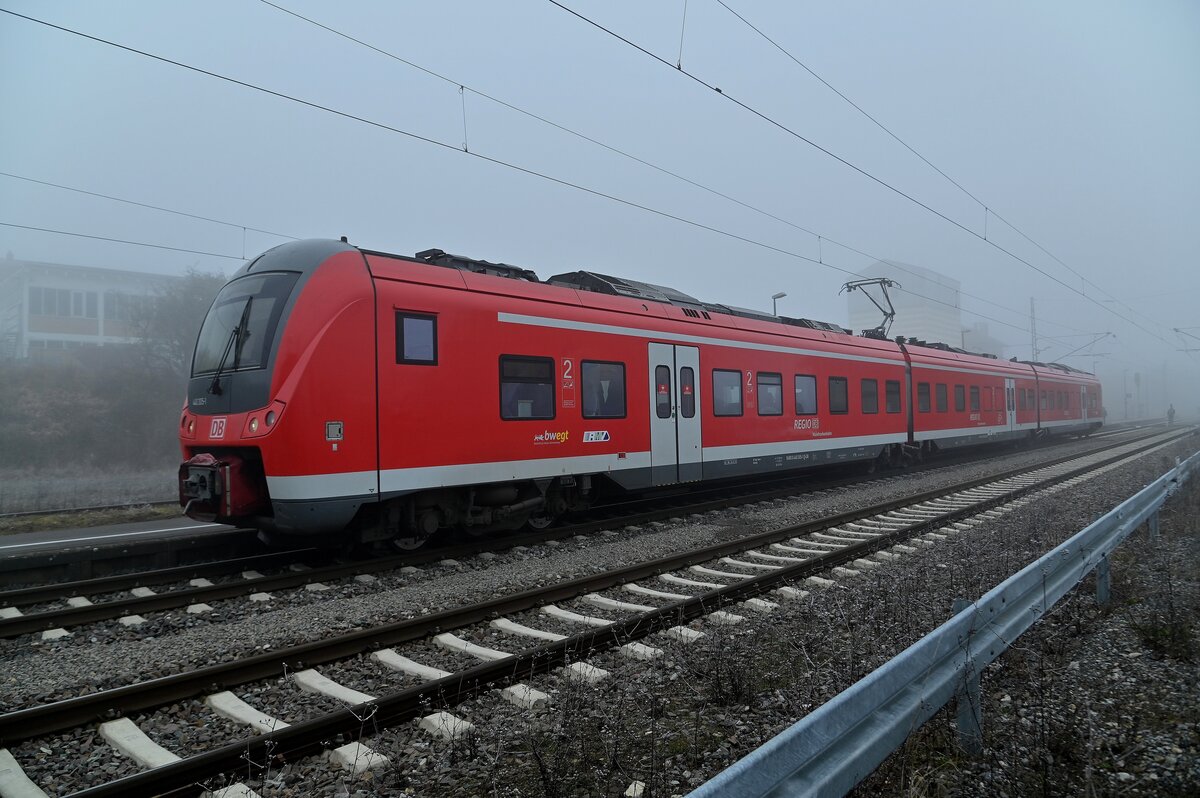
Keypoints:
pixel 675 454
pixel 1010 400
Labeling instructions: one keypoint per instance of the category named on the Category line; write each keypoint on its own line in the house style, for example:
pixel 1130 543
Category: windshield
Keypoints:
pixel 260 299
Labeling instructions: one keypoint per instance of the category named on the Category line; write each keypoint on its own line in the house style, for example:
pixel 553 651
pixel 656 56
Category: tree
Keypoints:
pixel 169 324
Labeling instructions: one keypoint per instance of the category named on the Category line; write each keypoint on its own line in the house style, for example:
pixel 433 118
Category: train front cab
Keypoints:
pixel 278 431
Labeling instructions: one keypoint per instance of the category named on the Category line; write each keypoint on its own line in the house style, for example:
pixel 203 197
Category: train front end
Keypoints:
pixel 251 386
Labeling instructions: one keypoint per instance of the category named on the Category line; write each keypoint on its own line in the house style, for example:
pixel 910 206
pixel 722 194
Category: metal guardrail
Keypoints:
pixel 835 747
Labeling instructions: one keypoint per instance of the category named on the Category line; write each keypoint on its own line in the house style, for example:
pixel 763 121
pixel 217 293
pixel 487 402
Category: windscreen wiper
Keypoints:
pixel 235 334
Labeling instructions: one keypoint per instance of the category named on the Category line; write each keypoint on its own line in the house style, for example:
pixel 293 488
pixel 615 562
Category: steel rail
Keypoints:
pixel 69 617
pixel 184 777
pixel 62 715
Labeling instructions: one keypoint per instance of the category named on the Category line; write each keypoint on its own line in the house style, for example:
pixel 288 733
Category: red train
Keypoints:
pixel 336 388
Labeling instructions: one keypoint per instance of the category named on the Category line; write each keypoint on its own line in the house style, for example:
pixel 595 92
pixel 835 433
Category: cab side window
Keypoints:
pixel 416 339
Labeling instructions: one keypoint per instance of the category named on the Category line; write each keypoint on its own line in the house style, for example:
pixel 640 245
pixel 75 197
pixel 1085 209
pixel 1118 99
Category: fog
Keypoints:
pixel 1075 121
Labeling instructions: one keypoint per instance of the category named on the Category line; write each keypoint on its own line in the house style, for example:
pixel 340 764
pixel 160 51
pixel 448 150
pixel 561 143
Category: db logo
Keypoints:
pixel 218 428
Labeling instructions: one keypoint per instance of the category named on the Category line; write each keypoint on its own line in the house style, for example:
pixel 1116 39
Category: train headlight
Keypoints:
pixel 191 425
pixel 270 418
pixel 254 424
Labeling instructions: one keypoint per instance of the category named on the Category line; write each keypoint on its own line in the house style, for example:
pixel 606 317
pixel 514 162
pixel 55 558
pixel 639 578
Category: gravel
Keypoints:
pixel 685 703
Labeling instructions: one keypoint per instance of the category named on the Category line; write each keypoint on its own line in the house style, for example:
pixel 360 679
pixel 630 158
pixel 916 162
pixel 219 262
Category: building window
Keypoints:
pixel 839 395
pixel 942 405
pixel 892 396
pixel 416 339
pixel 869 393
pixel 526 387
pixel 727 393
pixel 770 394
pixel 62 302
pixel 603 389
pixel 922 397
pixel 806 395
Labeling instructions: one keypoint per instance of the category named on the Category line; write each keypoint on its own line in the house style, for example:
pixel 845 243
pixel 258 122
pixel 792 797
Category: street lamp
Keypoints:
pixel 774 299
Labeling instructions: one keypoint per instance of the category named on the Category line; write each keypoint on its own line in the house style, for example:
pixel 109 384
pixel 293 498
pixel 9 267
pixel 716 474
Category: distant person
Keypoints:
pixel 1171 415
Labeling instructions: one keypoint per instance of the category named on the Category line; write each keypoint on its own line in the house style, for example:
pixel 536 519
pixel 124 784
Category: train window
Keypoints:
pixel 727 393
pixel 940 396
pixel 839 395
pixel 960 398
pixel 923 397
pixel 870 396
pixel 1044 406
pixel 416 339
pixel 662 391
pixel 687 392
pixel 1032 403
pixel 806 395
pixel 603 389
pixel 986 399
pixel 891 394
pixel 526 387
pixel 770 394
pixel 974 398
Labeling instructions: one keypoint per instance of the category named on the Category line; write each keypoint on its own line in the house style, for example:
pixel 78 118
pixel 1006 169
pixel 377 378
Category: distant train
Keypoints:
pixel 385 397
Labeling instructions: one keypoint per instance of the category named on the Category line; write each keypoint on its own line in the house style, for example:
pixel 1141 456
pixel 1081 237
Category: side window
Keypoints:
pixel 662 391
pixel 526 387
pixel 923 397
pixel 770 394
pixel 687 392
pixel 870 396
pixel 960 398
pixel 806 395
pixel 839 390
pixel 942 404
pixel 891 390
pixel 416 339
pixel 603 389
pixel 1043 400
pixel 974 398
pixel 727 393
pixel 986 399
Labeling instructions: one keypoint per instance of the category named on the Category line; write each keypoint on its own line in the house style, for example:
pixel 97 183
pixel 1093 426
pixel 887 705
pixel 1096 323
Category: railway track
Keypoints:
pixel 130 597
pixel 690 586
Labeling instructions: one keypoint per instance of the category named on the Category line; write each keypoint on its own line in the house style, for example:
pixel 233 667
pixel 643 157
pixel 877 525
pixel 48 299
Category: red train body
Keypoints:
pixel 335 388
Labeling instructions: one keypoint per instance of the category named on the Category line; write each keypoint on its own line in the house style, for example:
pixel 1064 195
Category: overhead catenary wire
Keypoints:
pixel 987 210
pixel 120 241
pixel 894 189
pixel 462 87
pixel 147 205
pixel 478 155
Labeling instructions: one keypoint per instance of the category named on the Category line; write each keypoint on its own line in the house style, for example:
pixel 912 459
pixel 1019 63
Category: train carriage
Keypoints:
pixel 338 389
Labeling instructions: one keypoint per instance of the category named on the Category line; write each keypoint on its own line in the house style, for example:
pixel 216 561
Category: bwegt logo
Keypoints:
pixel 551 437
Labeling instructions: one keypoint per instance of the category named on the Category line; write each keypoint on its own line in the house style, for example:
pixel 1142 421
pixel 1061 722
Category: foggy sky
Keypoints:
pixel 1077 121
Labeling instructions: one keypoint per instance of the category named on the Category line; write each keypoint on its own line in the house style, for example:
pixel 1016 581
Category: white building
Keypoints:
pixel 49 308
